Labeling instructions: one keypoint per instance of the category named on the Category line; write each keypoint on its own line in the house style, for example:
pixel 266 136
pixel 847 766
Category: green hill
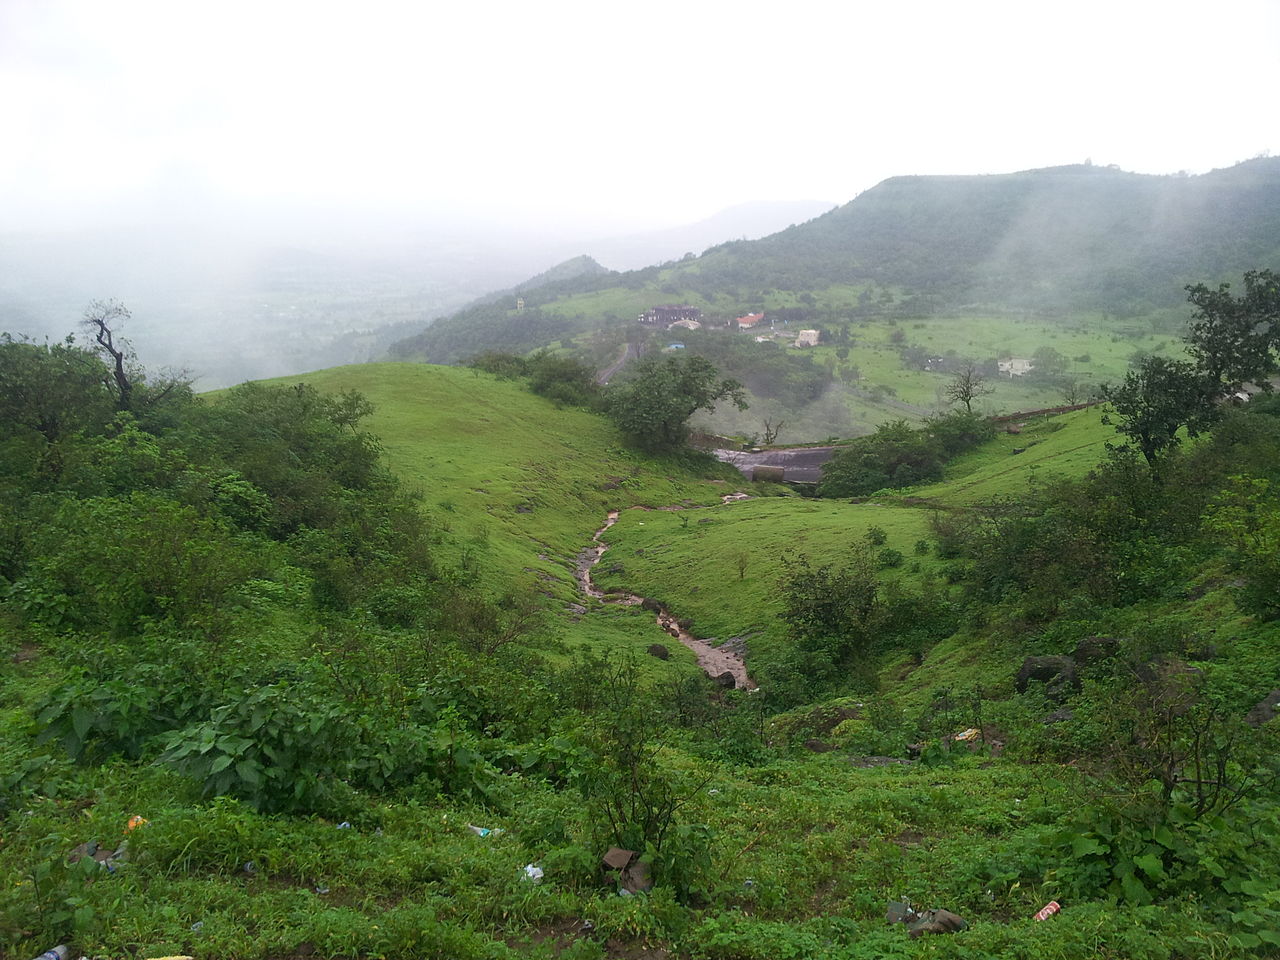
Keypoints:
pixel 1060 241
pixel 911 280
pixel 360 725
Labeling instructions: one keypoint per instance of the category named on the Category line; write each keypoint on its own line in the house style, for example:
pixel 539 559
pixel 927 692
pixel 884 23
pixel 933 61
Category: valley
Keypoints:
pixel 459 500
pixel 388 656
pixel 801 810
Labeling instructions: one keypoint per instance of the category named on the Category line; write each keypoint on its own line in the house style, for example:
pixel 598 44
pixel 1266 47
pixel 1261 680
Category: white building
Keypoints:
pixel 1015 366
pixel 807 338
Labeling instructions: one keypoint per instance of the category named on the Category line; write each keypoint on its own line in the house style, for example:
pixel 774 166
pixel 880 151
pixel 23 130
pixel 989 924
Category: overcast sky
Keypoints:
pixel 652 113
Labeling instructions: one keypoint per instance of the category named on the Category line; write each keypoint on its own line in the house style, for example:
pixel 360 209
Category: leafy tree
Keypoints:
pixel 1233 339
pixel 563 379
pixel 505 366
pixel 1048 363
pixel 52 390
pixel 1158 398
pixel 899 454
pixel 1246 517
pixel 833 614
pixel 966 386
pixel 654 404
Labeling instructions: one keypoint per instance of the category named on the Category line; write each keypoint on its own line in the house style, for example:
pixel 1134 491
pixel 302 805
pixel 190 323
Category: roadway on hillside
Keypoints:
pixel 605 375
pixel 799 464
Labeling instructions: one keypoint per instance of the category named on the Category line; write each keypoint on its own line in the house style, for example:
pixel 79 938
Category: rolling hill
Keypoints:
pixel 1057 241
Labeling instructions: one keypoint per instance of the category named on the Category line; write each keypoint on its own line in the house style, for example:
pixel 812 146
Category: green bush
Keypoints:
pixel 889 558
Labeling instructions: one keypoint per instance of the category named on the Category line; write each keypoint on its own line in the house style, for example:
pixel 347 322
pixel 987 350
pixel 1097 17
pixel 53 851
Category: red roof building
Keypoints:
pixel 749 321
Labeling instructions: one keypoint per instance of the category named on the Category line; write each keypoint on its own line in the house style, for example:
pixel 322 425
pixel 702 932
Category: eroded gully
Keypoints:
pixel 716 661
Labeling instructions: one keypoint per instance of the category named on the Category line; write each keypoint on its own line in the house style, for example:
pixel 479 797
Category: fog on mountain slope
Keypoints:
pixel 254 293
pixel 1071 248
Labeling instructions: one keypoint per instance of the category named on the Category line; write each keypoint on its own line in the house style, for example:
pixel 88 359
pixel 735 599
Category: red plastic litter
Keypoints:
pixel 1048 910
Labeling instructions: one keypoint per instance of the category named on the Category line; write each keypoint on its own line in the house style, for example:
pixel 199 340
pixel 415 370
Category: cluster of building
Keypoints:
pixel 685 317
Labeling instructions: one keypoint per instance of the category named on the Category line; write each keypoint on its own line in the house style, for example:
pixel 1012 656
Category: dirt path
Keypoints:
pixel 714 660
pixel 605 375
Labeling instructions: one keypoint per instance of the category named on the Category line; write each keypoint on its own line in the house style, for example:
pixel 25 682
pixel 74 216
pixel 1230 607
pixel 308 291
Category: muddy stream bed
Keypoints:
pixel 716 661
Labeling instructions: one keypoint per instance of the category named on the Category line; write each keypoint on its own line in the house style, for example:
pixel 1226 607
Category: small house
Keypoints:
pixel 1015 366
pixel 750 320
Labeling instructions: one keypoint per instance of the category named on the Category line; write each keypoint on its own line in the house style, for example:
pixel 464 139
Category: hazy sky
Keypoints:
pixel 659 112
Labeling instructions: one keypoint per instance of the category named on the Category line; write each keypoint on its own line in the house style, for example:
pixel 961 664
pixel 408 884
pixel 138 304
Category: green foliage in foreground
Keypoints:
pixel 313 728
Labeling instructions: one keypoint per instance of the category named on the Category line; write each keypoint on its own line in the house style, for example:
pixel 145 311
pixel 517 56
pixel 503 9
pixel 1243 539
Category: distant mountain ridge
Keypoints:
pixel 1059 238
pixel 1051 241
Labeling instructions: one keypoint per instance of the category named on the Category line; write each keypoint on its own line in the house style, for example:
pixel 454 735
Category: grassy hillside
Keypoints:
pixel 1062 242
pixel 406 732
pixel 692 561
pixel 1041 449
pixel 518 486
pixel 721 568
pixel 511 474
pixel 1085 261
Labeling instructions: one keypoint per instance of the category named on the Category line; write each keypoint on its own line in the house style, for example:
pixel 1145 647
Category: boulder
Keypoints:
pixel 1095 649
pixel 725 680
pixel 660 651
pixel 935 921
pixel 1058 674
pixel 653 606
pixel 1266 709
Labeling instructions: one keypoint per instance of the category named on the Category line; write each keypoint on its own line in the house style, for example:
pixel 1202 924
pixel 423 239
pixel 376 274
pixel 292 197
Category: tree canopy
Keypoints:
pixel 1232 342
pixel 654 404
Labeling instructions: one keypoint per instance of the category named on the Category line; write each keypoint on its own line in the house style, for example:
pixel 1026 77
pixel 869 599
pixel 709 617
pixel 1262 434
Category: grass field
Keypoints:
pixel 1067 446
pixel 803 851
pixel 690 560
pixel 518 487
pixel 513 477
pixel 1097 350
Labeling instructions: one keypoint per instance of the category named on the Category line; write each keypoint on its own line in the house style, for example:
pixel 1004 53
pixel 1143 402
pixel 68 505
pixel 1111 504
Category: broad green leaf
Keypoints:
pixel 221 763
pixel 81 721
pixel 1134 890
pixel 1150 865
pixel 1084 846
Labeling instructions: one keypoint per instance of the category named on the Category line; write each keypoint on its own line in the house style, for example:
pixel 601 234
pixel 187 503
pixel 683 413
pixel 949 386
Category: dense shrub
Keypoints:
pixel 900 455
